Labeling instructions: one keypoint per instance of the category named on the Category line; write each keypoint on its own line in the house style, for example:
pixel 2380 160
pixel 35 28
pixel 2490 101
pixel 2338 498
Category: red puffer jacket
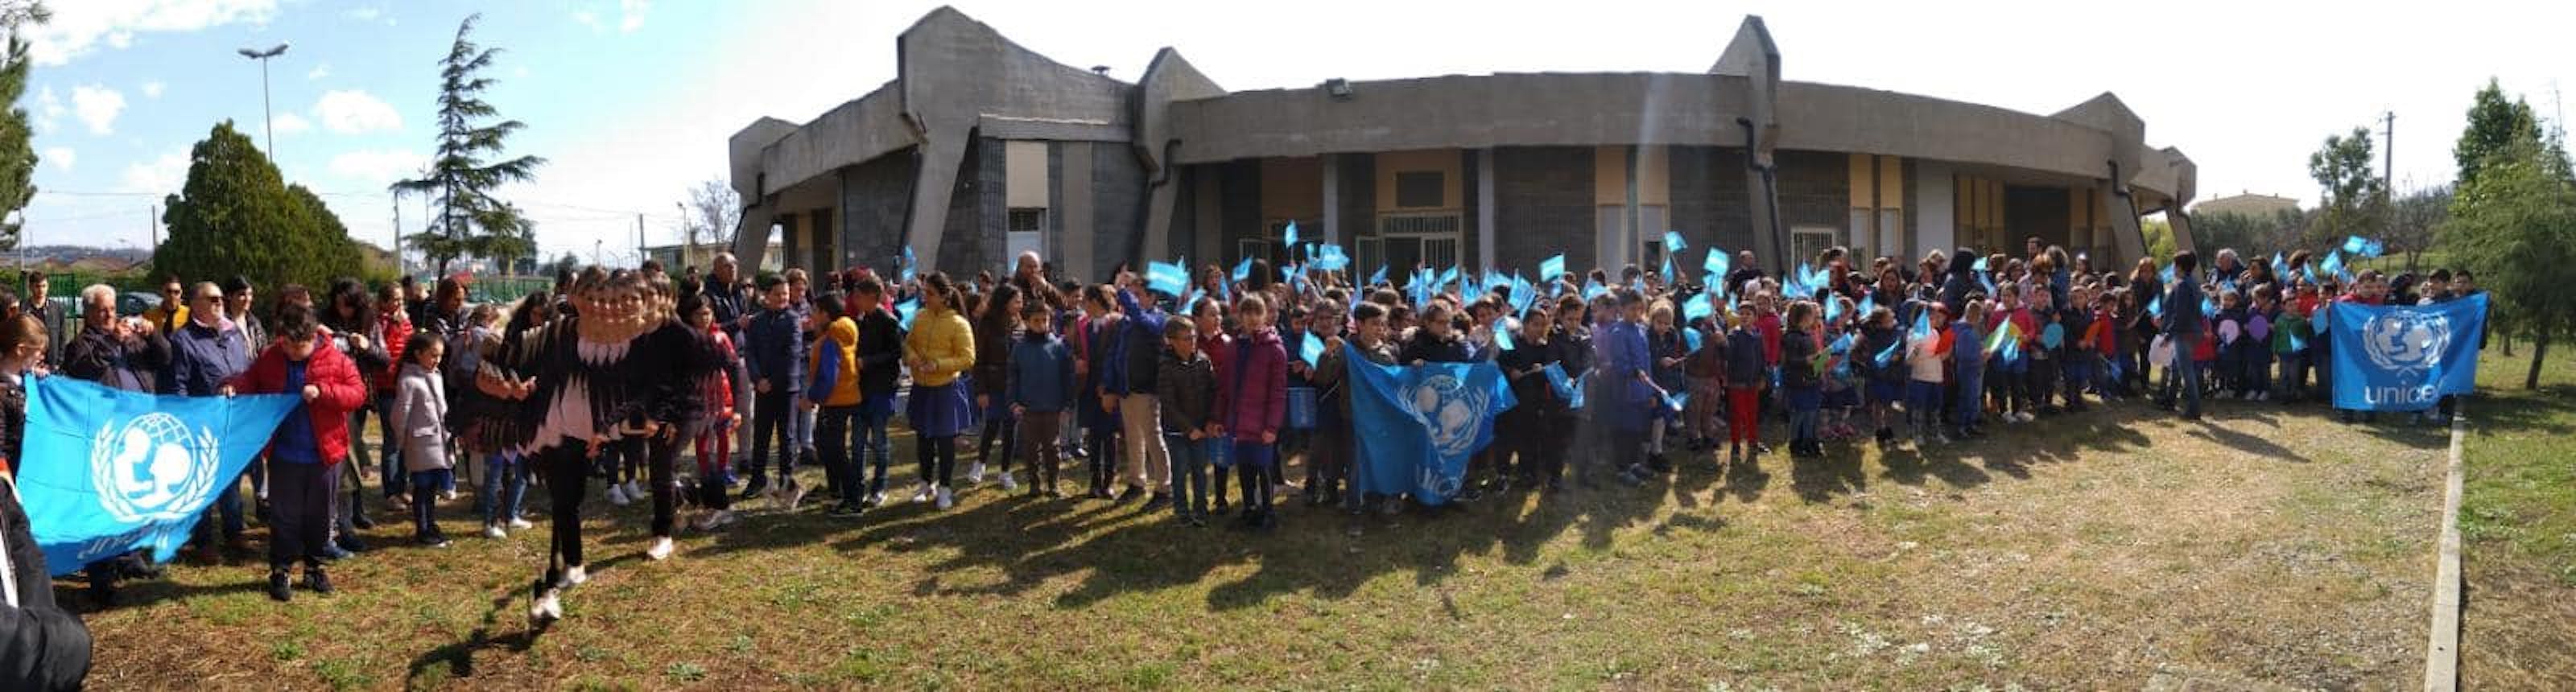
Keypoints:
pixel 397 337
pixel 1252 388
pixel 328 369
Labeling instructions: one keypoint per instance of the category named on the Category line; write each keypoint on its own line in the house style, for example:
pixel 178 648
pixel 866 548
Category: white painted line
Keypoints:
pixel 2442 655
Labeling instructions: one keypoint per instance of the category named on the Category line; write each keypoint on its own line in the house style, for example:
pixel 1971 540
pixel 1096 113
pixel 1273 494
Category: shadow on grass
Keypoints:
pixel 2545 410
pixel 457 659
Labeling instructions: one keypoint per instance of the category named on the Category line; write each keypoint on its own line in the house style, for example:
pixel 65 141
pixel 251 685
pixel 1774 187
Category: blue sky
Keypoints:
pixel 632 99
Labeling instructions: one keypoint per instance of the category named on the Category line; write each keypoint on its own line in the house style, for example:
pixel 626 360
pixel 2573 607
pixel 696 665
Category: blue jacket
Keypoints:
pixel 1041 374
pixel 1138 350
pixel 202 358
pixel 1745 366
pixel 2182 307
pixel 773 348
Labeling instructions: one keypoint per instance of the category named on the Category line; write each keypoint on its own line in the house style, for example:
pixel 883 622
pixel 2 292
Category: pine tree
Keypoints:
pixel 17 151
pixel 236 215
pixel 469 221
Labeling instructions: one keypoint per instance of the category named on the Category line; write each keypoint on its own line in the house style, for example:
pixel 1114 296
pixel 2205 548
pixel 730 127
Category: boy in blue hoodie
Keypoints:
pixel 1041 383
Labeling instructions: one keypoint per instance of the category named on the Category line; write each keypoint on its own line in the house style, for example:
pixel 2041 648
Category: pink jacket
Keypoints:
pixel 1260 402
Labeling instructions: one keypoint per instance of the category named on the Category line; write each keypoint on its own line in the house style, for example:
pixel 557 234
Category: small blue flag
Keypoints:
pixel 1673 244
pixel 1551 268
pixel 1886 356
pixel 2333 266
pixel 2167 274
pixel 1702 305
pixel 1676 400
pixel 1988 280
pixel 1379 277
pixel 905 310
pixel 1717 264
pixel 2362 246
pixel 1593 289
pixel 1311 350
pixel 1566 388
pixel 2156 306
pixel 1669 276
pixel 1243 270
pixel 2280 269
pixel 1922 323
pixel 1332 258
pixel 1446 276
pixel 1502 334
pixel 1692 335
pixel 908 261
pixel 1167 279
pixel 1522 295
pixel 1868 304
pixel 1833 309
pixel 1980 265
pixel 1288 236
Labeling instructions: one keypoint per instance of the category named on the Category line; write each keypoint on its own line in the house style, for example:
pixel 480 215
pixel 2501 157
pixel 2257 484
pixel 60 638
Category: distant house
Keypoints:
pixel 2246 203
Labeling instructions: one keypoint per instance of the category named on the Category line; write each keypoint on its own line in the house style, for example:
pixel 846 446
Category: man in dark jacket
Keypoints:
pixel 724 294
pixel 2181 327
pixel 42 645
pixel 1962 281
pixel 204 354
pixel 117 353
pixel 1135 354
pixel 773 350
pixel 880 360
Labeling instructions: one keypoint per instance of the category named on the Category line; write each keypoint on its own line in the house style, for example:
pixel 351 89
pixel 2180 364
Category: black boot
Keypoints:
pixel 316 580
pixel 277 589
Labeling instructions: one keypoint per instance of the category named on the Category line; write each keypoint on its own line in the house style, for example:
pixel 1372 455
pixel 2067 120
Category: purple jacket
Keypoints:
pixel 1252 390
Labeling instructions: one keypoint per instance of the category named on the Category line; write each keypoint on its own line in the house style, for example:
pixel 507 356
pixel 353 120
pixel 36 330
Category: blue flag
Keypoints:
pixel 1833 310
pixel 1717 264
pixel 1310 349
pixel 1379 277
pixel 904 311
pixel 1673 244
pixel 1702 305
pixel 1243 270
pixel 2362 246
pixel 2166 275
pixel 2280 268
pixel 2405 358
pixel 908 261
pixel 2333 265
pixel 1669 275
pixel 1522 295
pixel 1692 336
pixel 114 471
pixel 1417 425
pixel 1502 334
pixel 2156 306
pixel 1332 258
pixel 1550 268
pixel 1288 236
pixel 1922 323
pixel 1593 289
pixel 1887 355
pixel 1979 266
pixel 1167 279
pixel 1566 388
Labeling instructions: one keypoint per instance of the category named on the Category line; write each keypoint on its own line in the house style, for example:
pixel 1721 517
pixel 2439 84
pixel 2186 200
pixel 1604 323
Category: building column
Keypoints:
pixel 1485 208
pixel 1332 165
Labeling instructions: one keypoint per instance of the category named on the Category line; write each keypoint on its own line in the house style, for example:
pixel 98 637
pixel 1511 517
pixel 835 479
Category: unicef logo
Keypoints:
pixel 147 471
pixel 2406 342
pixel 1449 411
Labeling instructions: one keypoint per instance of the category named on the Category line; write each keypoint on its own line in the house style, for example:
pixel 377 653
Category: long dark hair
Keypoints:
pixel 996 315
pixel 938 282
pixel 351 293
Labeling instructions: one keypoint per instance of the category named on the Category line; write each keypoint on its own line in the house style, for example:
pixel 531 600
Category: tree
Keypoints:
pixel 2415 220
pixel 2494 125
pixel 462 177
pixel 714 211
pixel 2514 222
pixel 2249 234
pixel 2354 192
pixel 17 151
pixel 235 215
pixel 2159 238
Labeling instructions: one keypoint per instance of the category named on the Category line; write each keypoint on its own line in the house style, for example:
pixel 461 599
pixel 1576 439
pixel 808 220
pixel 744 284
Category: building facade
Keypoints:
pixel 980 149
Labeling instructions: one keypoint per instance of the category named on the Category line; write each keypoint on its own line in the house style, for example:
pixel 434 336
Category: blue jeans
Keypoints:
pixel 505 486
pixel 424 500
pixel 1189 473
pixel 2183 373
pixel 1971 410
pixel 1802 403
pixel 1922 406
pixel 870 442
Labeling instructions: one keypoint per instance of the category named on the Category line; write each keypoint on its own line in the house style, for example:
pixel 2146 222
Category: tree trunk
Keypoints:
pixel 2539 350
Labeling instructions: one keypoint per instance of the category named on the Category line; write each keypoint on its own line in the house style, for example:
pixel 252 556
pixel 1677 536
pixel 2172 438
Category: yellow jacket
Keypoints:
pixel 841 339
pixel 943 337
pixel 166 319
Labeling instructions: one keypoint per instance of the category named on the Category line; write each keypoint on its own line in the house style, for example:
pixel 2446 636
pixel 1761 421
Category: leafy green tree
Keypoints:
pixel 463 177
pixel 2355 194
pixel 2515 224
pixel 17 151
pixel 235 215
pixel 2249 234
pixel 2494 125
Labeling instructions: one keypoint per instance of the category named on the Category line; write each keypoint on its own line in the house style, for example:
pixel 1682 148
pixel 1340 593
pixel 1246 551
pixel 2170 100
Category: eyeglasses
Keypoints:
pixel 210 298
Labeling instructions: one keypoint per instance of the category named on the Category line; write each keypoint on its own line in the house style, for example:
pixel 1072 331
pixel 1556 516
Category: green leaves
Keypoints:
pixel 235 215
pixel 461 179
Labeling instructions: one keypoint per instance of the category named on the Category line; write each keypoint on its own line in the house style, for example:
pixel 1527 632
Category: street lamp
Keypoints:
pixel 262 56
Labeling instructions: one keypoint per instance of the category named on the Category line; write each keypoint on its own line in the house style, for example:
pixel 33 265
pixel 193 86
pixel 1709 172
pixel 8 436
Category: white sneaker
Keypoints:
pixel 617 495
pixel 1009 485
pixel 494 531
pixel 659 550
pixel 724 518
pixel 922 495
pixel 521 524
pixel 548 608
pixel 975 473
pixel 448 496
pixel 876 498
pixel 576 575
pixel 795 496
pixel 947 499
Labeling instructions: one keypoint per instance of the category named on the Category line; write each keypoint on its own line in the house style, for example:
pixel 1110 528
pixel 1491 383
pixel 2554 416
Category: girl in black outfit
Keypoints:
pixel 678 360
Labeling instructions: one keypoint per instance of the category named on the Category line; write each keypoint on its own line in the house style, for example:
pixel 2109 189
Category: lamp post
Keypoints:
pixel 262 56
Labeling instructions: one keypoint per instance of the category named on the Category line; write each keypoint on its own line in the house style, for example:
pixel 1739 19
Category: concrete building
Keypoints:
pixel 980 148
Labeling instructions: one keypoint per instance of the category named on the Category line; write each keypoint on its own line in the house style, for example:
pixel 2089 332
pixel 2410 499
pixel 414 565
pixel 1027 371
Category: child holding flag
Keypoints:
pixel 1927 348
pixel 1968 370
pixel 1879 363
pixel 1801 389
pixel 1252 407
pixel 1532 431
pixel 1747 371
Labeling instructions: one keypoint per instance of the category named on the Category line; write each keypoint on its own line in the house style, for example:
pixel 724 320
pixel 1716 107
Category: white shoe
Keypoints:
pixel 521 524
pixel 576 575
pixel 947 499
pixel 876 498
pixel 617 495
pixel 1009 485
pixel 922 495
pixel 448 496
pixel 795 496
pixel 975 473
pixel 717 520
pixel 659 550
pixel 548 608
pixel 494 531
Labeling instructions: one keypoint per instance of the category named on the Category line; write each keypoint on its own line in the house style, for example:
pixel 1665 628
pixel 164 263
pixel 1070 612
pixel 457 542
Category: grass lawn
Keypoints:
pixel 2113 549
pixel 2518 520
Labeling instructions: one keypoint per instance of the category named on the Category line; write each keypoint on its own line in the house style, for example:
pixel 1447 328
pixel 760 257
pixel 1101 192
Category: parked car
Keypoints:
pixel 133 303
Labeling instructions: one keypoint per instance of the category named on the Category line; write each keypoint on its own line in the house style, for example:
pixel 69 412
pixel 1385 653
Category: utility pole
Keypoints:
pixel 639 242
pixel 152 224
pixel 397 248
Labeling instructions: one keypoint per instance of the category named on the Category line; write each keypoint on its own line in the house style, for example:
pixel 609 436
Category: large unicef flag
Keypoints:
pixel 108 472
pixel 1418 424
pixel 2405 358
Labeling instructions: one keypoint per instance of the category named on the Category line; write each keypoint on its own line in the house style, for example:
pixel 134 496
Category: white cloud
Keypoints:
pixel 290 123
pixel 159 176
pixel 377 166
pixel 97 107
pixel 153 89
pixel 61 157
pixel 353 111
pixel 79 27
pixel 631 15
pixel 588 18
pixel 49 108
pixel 318 72
pixel 370 13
